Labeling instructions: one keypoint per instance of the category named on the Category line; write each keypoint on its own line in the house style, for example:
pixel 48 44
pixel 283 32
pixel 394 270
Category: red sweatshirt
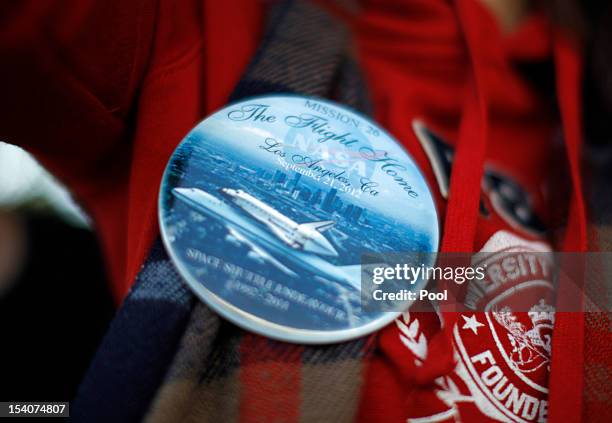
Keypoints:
pixel 102 92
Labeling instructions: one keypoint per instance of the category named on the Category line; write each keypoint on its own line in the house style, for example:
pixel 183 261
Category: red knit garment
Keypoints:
pixel 130 79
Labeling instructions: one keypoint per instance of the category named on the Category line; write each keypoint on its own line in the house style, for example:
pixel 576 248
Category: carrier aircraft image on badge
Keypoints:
pixel 285 240
pixel 268 206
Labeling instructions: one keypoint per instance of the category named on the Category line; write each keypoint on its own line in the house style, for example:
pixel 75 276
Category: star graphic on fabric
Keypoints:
pixel 471 323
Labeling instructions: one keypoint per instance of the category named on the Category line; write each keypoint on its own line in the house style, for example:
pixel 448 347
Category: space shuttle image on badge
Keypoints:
pixel 279 240
pixel 305 236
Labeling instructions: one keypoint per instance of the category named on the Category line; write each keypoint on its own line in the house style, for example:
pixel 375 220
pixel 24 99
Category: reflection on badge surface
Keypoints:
pixel 267 206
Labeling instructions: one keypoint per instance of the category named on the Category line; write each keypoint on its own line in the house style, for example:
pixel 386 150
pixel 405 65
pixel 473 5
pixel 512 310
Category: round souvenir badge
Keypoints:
pixel 268 205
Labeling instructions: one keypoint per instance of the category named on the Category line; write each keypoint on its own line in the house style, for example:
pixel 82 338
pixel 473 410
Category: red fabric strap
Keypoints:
pixel 464 194
pixel 567 368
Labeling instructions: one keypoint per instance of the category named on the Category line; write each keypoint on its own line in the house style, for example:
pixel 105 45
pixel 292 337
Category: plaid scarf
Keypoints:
pixel 167 356
pixel 597 369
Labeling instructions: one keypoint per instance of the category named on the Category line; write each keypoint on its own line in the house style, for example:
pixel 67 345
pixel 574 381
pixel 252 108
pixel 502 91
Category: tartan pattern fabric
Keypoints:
pixel 597 394
pixel 141 341
pixel 167 356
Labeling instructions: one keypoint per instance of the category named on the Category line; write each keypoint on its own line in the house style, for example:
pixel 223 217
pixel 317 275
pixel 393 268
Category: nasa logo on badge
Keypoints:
pixel 267 206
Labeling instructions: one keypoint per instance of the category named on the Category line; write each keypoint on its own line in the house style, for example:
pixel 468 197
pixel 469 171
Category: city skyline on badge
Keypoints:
pixel 267 206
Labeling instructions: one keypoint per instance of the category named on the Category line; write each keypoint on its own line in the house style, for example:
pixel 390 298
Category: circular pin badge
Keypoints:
pixel 268 206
